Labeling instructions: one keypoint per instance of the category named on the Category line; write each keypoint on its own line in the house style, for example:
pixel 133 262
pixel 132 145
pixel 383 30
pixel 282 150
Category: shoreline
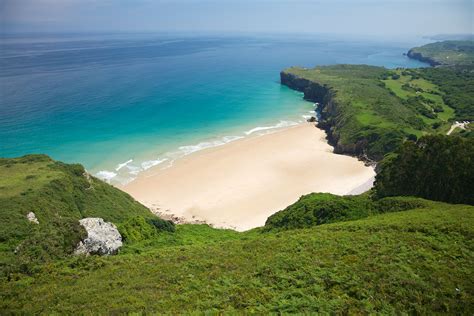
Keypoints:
pixel 127 171
pixel 239 184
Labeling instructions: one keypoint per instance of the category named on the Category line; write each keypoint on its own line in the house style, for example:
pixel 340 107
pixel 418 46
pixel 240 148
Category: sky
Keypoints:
pixel 361 17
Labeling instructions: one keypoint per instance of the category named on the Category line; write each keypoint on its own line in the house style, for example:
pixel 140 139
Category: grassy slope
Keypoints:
pixel 59 195
pixel 371 105
pixel 455 84
pixel 414 261
pixel 448 52
pixel 410 85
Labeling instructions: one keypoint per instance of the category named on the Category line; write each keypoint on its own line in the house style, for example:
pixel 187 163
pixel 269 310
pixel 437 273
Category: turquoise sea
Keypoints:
pixel 120 104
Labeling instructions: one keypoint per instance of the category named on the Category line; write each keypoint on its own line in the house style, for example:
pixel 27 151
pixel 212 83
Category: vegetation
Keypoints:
pixel 416 261
pixel 371 110
pixel 59 194
pixel 445 53
pixel 322 208
pixel 350 254
pixel 435 167
pixel 456 84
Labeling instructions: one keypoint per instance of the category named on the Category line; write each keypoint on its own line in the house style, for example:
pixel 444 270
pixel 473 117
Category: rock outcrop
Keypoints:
pixel 419 56
pixel 32 218
pixel 103 238
pixel 329 111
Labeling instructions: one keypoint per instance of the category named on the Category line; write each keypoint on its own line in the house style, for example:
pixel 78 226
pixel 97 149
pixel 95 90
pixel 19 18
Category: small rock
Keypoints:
pixel 103 238
pixel 311 119
pixel 32 218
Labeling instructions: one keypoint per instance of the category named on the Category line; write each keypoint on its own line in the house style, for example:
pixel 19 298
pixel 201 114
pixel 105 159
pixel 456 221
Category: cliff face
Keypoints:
pixel 419 56
pixel 329 109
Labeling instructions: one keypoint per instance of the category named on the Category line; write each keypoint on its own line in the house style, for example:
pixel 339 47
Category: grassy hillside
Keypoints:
pixel 59 194
pixel 371 110
pixel 445 53
pixel 416 261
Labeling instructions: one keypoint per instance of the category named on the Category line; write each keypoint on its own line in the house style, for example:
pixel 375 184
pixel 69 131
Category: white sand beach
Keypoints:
pixel 240 184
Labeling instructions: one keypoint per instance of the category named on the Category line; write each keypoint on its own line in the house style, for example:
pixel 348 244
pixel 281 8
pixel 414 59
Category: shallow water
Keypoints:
pixel 120 104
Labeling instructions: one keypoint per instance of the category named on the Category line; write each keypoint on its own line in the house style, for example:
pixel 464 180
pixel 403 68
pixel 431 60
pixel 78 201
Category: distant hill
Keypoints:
pixel 451 37
pixel 445 53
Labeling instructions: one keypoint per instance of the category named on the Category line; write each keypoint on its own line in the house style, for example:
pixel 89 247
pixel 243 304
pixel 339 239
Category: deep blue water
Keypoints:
pixel 105 100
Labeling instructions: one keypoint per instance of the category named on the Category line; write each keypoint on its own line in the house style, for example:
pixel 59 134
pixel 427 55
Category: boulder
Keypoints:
pixel 103 238
pixel 32 218
pixel 311 119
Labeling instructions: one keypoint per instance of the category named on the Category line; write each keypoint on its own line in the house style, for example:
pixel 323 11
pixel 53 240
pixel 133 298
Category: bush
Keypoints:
pixel 320 208
pixel 162 225
pixel 138 228
pixel 323 208
pixel 436 167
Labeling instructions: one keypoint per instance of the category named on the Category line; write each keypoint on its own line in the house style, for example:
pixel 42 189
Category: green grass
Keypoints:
pixel 371 110
pixel 417 261
pixel 59 195
pixel 429 91
pixel 455 84
pixel 324 208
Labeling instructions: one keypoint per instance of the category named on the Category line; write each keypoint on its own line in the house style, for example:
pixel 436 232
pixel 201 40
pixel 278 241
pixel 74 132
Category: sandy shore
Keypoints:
pixel 240 184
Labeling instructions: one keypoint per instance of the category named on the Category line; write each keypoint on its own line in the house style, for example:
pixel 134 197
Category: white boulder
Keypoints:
pixel 103 238
pixel 32 218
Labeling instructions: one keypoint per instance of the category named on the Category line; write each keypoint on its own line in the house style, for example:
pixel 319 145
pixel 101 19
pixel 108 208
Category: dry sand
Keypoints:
pixel 240 184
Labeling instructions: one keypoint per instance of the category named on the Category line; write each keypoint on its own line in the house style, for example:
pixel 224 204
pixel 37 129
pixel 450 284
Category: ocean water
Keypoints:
pixel 120 104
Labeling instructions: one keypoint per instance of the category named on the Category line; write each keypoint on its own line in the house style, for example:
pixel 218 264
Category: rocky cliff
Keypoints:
pixel 412 53
pixel 330 112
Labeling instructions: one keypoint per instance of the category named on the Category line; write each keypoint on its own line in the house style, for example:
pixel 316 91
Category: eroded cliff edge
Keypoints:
pixel 413 54
pixel 329 110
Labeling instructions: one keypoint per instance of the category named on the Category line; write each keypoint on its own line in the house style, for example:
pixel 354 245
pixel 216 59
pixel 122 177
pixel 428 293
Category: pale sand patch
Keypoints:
pixel 240 184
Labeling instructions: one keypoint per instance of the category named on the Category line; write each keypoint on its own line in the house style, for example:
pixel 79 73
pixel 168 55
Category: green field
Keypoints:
pixel 408 85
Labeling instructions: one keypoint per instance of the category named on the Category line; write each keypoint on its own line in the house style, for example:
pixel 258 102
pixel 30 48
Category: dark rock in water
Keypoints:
pixel 103 238
pixel 311 119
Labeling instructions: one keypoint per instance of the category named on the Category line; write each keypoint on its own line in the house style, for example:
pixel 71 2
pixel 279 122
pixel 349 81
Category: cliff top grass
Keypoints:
pixel 415 261
pixel 378 106
pixel 447 52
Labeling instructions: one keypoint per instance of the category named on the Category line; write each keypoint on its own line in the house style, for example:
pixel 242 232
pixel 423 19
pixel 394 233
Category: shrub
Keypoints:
pixel 320 208
pixel 436 167
pixel 162 225
pixel 139 228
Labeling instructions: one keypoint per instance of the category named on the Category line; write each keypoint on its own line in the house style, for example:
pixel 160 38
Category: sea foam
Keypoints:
pixel 281 124
pixel 186 150
pixel 127 171
pixel 121 165
pixel 106 175
pixel 151 163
